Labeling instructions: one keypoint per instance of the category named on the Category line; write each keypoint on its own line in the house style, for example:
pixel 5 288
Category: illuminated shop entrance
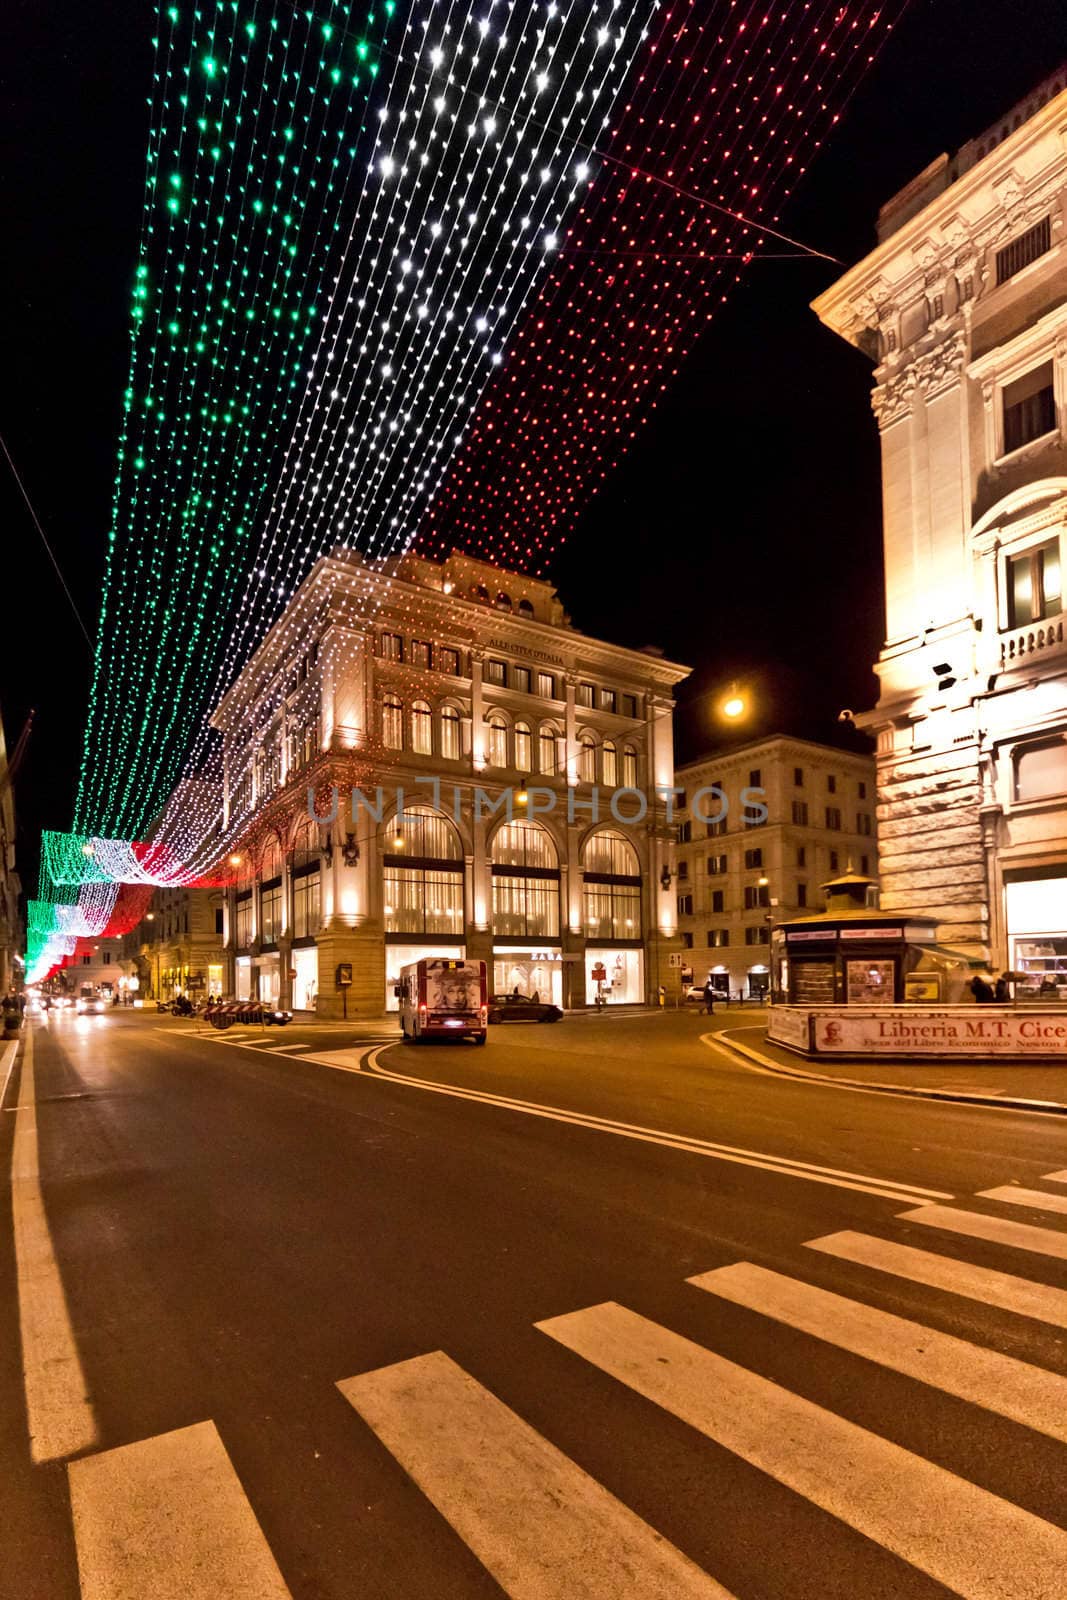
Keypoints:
pixel 1037 935
pixel 531 972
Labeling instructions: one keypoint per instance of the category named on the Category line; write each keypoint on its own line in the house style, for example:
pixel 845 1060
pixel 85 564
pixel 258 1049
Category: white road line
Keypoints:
pixel 1013 1195
pixel 280 1047
pixel 979 1546
pixel 1055 1177
pixel 998 1230
pixel 785 1166
pixel 1019 1295
pixel 9 1066
pixel 544 1528
pixel 59 1416
pixel 167 1519
pixel 999 1383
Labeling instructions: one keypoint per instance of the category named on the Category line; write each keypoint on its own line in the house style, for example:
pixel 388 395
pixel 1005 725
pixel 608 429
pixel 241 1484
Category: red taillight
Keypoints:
pixel 422 1009
pixel 485 1016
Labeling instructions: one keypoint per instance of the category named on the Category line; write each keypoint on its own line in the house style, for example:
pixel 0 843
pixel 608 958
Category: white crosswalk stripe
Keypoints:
pixel 985 1284
pixel 1014 1195
pixel 1055 1177
pixel 998 1230
pixel 986 1378
pixel 535 1520
pixel 167 1519
pixel 979 1546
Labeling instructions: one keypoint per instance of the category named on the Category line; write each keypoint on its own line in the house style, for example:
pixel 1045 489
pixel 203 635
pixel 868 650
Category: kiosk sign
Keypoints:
pixel 966 1032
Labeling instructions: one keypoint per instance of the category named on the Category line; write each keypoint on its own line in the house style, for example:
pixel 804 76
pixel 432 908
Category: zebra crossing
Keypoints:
pixel 168 1516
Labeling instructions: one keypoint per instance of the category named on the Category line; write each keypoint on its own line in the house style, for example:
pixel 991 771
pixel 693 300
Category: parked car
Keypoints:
pixel 522 1008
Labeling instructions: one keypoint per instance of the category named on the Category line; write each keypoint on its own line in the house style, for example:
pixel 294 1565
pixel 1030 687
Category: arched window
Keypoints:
pixel 525 608
pixel 423 875
pixel 609 764
pixel 421 728
pixel 307 883
pixel 611 888
pixel 497 751
pixel 479 591
pixel 450 733
pixel 629 767
pixel 503 602
pixel 546 751
pixel 587 758
pixel 523 748
pixel 525 882
pixel 392 723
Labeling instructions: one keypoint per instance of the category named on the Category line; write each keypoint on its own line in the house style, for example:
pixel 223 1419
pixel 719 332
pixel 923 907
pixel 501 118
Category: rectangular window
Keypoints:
pixel 1035 587
pixel 218 919
pixel 760 934
pixel 520 679
pixel 863 823
pixel 423 900
pixel 865 865
pixel 683 869
pixel 525 908
pixel 1029 246
pixel 802 894
pixel 833 818
pixel 753 859
pixel 420 653
pixel 863 791
pixel 243 931
pixel 608 699
pixel 717 829
pixel 685 905
pixel 687 941
pixel 834 861
pixel 802 855
pixel 496 672
pixel 629 705
pixel 546 685
pixel 584 694
pixel 307 904
pixel 685 831
pixel 448 660
pixel 718 938
pixel 392 647
pixel 798 777
pixel 755 779
pixel 756 894
pixel 831 784
pixel 1041 771
pixel 612 910
pixel 1029 408
pixel 716 864
pixel 270 912
pixel 800 813
pixel 523 748
pixel 718 901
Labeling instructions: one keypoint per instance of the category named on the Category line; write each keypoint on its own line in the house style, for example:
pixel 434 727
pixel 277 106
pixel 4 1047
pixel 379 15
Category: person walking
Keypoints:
pixel 1002 990
pixel 709 999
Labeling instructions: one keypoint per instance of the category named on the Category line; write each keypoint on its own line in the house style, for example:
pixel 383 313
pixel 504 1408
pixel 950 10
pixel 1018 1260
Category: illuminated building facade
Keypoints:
pixel 963 308
pixel 761 828
pixel 506 770
pixel 11 938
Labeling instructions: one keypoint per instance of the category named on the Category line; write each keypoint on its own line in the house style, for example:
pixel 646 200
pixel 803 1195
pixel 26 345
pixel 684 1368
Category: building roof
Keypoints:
pixel 728 752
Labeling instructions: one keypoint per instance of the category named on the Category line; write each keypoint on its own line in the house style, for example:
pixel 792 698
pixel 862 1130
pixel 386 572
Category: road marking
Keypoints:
pixel 885 1188
pixel 1019 1295
pixel 58 1412
pixel 979 1546
pixel 9 1060
pixel 167 1518
pixel 999 1383
pixel 1055 1177
pixel 1013 1195
pixel 541 1525
pixel 277 1048
pixel 998 1230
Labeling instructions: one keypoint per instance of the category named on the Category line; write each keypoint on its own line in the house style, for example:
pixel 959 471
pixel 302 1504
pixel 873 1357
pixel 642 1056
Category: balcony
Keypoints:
pixel 1036 639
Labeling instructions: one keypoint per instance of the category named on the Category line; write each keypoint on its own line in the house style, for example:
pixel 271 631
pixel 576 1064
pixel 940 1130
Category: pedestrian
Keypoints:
pixel 536 997
pixel 709 999
pixel 1002 990
pixel 982 991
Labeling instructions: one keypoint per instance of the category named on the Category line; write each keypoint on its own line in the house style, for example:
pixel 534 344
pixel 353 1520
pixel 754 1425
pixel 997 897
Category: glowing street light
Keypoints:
pixel 735 705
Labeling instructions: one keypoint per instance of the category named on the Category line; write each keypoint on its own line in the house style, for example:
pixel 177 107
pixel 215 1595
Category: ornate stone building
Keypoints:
pixel 534 765
pixel 962 306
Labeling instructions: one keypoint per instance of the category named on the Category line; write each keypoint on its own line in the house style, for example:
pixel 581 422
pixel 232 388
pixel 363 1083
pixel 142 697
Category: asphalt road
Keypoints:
pixel 388 1323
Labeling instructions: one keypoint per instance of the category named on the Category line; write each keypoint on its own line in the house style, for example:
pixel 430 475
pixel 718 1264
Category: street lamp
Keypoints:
pixel 734 706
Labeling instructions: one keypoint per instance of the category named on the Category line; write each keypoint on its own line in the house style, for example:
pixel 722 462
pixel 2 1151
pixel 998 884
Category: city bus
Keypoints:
pixel 443 999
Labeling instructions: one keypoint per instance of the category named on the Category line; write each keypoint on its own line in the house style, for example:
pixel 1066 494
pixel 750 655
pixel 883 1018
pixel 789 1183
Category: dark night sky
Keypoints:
pixel 742 534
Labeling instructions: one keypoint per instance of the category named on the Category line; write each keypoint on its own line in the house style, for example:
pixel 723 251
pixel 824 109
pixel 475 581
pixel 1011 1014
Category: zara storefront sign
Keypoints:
pixel 962 1031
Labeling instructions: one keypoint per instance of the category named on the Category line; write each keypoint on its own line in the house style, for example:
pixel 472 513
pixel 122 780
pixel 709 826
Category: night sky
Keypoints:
pixel 742 535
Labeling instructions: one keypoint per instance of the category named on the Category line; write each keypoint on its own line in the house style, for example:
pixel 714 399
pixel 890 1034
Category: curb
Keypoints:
pixel 908 1091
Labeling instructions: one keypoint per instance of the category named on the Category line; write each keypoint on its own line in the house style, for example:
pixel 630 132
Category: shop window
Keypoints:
pixel 1035 588
pixel 1029 408
pixel 1041 770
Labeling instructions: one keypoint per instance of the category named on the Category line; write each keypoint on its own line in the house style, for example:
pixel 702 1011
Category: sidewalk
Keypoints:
pixel 1027 1086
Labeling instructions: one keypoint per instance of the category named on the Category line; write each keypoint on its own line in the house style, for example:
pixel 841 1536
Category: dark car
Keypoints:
pixel 520 1008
